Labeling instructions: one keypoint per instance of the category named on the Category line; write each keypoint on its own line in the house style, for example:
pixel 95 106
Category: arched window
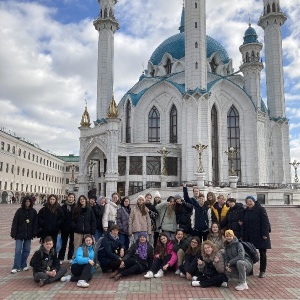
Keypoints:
pixel 173 125
pixel 196 45
pixel 154 125
pixel 214 144
pixel 196 5
pixel 196 25
pixel 247 57
pixel 252 56
pixel 233 127
pixel 110 13
pixel 196 65
pixel 128 122
pixel 213 66
pixel 268 8
pixel 105 12
pixel 273 7
pixel 168 66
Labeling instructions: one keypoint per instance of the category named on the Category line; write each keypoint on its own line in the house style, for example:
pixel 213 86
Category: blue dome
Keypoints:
pixel 175 46
pixel 250 36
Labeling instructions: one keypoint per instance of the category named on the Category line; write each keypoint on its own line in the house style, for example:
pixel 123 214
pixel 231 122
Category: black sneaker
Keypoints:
pixel 262 275
pixel 250 273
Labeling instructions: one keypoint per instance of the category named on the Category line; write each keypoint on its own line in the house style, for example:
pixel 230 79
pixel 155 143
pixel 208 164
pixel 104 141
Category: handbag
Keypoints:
pixel 159 227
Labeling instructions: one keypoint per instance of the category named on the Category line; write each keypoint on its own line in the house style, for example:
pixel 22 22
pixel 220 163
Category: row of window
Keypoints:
pixel 153 165
pixel 32 174
pixel 32 157
pixel 233 137
pixel 29 188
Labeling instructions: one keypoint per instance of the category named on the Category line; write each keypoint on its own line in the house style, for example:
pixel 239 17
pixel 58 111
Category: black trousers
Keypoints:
pixel 131 267
pixel 64 241
pixel 202 235
pixel 262 260
pixel 158 263
pixel 81 272
pixel 215 280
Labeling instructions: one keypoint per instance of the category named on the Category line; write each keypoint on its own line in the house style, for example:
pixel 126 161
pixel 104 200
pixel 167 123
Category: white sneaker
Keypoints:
pixel 66 278
pixel 194 278
pixel 182 275
pixel 25 269
pixel 61 262
pixel 224 284
pixel 82 283
pixel 177 272
pixel 14 271
pixel 149 274
pixel 159 274
pixel 242 286
pixel 196 283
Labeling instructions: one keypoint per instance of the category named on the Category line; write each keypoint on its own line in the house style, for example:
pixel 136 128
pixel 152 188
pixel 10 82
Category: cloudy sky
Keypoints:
pixel 48 58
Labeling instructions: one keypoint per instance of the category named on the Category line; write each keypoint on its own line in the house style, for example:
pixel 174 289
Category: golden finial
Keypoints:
pixel 85 119
pixel 112 109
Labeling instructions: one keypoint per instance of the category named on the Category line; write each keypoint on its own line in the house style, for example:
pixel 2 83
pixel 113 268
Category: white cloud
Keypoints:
pixel 48 68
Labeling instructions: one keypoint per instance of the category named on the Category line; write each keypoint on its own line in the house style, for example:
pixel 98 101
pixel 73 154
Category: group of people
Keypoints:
pixel 196 237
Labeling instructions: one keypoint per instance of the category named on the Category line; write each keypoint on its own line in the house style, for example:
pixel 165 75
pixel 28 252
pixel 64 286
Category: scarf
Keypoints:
pixel 114 237
pixel 141 250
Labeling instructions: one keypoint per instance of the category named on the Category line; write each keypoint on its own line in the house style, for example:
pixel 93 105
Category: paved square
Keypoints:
pixel 282 281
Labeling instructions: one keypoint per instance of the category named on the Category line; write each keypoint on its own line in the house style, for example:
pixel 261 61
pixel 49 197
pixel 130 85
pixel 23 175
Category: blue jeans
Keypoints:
pixel 98 234
pixel 124 238
pixel 22 251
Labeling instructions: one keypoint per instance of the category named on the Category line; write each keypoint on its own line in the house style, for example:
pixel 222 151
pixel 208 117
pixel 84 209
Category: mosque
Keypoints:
pixel 188 95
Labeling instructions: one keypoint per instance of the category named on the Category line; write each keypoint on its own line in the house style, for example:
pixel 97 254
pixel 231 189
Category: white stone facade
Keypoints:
pixel 177 106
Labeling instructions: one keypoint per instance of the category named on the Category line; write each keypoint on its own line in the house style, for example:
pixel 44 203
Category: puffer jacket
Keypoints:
pixel 234 251
pixel 138 222
pixel 234 215
pixel 219 266
pixel 81 259
pixel 173 258
pixel 110 213
pixel 25 223
pixel 86 222
pixel 123 220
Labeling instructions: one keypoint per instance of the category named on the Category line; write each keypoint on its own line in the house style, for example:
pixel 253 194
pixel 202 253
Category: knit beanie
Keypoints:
pixel 229 232
pixel 156 194
pixel 177 196
pixel 252 198
pixel 144 234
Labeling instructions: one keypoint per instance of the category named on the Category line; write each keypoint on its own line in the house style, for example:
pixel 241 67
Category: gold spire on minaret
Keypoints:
pixel 112 109
pixel 85 119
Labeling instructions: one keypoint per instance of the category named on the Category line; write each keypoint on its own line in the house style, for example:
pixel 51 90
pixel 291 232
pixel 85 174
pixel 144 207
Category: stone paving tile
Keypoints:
pixel 282 281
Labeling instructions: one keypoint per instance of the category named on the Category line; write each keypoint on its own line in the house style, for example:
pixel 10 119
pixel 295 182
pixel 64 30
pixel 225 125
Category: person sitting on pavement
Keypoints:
pixel 189 268
pixel 180 244
pixel 237 260
pixel 111 251
pixel 211 267
pixel 164 257
pixel 83 264
pixel 45 264
pixel 137 260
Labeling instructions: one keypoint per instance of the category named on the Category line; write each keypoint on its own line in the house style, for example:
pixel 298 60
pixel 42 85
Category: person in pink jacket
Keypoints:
pixel 164 257
pixel 139 219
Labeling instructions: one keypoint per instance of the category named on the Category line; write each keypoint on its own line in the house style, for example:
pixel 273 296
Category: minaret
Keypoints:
pixel 195 45
pixel 252 65
pixel 106 25
pixel 271 22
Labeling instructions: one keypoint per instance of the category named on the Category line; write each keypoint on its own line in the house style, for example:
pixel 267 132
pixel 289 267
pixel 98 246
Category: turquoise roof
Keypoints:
pixel 175 46
pixel 250 36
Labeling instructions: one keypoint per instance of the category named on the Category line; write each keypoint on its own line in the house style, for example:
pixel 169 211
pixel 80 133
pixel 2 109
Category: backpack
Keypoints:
pixel 251 251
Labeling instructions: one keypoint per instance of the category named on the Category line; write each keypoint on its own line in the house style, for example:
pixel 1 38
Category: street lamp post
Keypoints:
pixel 200 148
pixel 231 153
pixel 295 164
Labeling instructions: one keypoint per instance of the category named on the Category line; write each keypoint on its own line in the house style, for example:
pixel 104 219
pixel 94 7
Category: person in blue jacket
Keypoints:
pixel 83 263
